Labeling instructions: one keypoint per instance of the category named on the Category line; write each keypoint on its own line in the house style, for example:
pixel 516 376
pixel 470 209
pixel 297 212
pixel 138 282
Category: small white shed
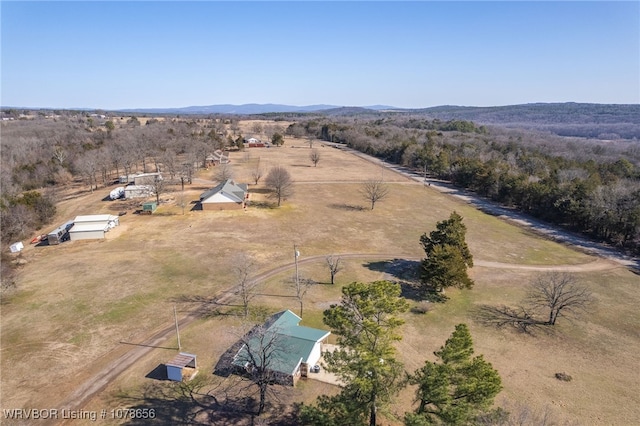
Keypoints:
pixel 137 191
pixel 16 247
pixel 146 178
pixel 182 366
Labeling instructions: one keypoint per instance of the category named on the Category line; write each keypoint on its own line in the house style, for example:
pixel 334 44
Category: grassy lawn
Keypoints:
pixel 82 304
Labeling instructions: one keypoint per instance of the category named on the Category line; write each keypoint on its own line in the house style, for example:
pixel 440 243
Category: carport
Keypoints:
pixel 182 366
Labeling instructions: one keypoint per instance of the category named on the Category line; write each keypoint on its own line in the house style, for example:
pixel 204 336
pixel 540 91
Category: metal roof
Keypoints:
pixel 294 342
pixel 95 218
pixel 89 227
pixel 182 360
pixel 230 189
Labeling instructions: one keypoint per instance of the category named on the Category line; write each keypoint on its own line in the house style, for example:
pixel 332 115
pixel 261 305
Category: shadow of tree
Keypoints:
pixel 518 318
pixel 404 272
pixel 209 307
pixel 263 205
pixel 198 402
pixel 347 207
pixel 255 190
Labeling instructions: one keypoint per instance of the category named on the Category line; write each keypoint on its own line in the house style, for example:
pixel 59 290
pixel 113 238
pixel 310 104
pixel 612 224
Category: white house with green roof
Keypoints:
pixel 288 349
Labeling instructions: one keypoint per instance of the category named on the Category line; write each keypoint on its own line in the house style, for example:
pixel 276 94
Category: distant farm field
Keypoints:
pixel 81 305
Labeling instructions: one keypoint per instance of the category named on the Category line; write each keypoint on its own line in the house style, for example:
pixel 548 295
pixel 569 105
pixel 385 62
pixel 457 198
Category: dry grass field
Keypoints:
pixel 81 305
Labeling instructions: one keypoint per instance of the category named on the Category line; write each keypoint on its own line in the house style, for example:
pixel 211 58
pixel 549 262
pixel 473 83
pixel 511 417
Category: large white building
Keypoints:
pixel 91 227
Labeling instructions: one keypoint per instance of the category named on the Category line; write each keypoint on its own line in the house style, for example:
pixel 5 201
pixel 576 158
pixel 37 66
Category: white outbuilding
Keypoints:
pixel 16 247
pixel 92 227
pixel 137 191
pixel 88 231
pixel 108 219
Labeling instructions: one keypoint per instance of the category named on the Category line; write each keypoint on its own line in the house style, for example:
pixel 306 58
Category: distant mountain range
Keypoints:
pixel 604 121
pixel 247 109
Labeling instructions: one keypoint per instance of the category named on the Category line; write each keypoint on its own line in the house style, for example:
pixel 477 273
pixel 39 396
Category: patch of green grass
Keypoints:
pixel 313 319
pixel 80 307
pixel 123 309
pixel 80 339
pixel 17 297
pixel 174 266
pixel 457 306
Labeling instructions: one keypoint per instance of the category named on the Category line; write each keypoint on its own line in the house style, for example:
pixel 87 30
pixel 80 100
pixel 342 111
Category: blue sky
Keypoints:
pixel 115 54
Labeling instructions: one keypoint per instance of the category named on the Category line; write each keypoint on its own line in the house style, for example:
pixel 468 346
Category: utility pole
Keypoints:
pixel 182 201
pixel 296 254
pixel 299 295
pixel 175 317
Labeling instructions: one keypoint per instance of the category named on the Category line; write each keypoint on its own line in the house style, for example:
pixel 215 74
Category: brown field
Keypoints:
pixel 81 305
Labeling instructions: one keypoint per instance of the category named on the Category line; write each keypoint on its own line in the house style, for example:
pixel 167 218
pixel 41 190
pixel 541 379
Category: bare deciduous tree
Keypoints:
pixel 256 128
pixel 315 157
pixel 104 165
pixel 296 130
pixel 224 172
pixel 186 171
pixel 374 190
pixel 243 266
pixel 235 127
pixel 158 186
pixel 170 163
pixel 559 294
pixel 550 295
pixel 280 182
pixel 60 154
pixel 256 171
pixel 262 349
pixel 88 166
pixel 333 262
pixel 269 131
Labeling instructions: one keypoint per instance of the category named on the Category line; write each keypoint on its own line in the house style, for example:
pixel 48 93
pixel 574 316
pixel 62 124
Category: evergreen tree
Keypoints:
pixel 366 323
pixel 447 256
pixel 456 389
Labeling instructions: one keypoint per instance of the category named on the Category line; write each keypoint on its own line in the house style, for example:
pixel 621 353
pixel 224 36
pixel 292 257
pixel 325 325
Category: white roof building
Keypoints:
pixel 88 231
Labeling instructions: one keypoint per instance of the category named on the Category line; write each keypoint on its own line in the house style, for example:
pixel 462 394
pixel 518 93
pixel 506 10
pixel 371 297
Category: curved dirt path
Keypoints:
pixel 90 388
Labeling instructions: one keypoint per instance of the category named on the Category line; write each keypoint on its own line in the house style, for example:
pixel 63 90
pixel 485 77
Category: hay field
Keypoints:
pixel 82 304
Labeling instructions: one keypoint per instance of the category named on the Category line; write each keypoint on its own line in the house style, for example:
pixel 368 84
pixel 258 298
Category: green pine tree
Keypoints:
pixel 456 389
pixel 366 322
pixel 447 256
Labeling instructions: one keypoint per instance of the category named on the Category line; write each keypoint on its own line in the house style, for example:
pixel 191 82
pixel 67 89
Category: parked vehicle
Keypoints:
pixel 117 193
pixel 60 234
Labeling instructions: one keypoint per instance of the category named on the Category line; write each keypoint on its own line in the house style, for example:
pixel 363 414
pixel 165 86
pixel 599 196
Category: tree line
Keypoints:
pixel 587 186
pixel 43 153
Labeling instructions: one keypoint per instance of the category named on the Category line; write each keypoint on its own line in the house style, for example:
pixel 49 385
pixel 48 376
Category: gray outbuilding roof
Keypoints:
pixel 234 191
